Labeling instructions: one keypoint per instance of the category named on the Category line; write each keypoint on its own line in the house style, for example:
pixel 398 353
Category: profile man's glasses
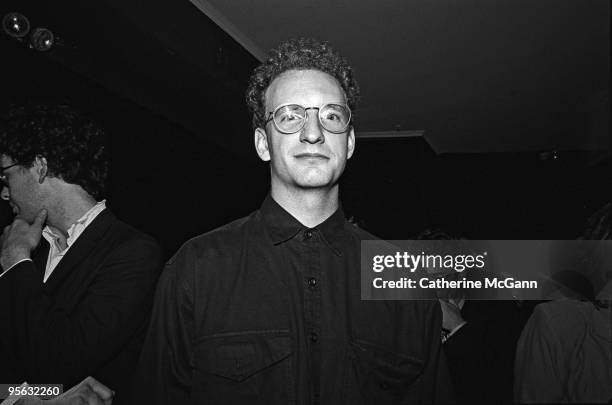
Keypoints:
pixel 291 118
pixel 2 175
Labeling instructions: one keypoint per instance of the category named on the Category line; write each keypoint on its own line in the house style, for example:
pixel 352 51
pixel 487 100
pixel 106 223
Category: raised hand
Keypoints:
pixel 20 238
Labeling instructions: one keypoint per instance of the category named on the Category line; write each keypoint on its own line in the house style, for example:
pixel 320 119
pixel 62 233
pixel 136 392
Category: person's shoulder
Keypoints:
pixel 128 231
pixel 219 241
pixel 202 257
pixel 121 233
pixel 562 316
pixel 562 307
pixel 130 245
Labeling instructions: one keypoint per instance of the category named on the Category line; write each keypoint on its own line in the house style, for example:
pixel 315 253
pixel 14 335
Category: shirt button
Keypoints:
pixel 312 282
pixel 308 234
pixel 314 337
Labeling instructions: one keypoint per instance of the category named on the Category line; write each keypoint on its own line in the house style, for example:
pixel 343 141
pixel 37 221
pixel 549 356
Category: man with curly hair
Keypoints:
pixel 77 283
pixel 267 309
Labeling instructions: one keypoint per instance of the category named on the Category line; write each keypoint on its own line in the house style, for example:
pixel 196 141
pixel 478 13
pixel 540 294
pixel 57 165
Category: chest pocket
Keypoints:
pixel 379 376
pixel 244 367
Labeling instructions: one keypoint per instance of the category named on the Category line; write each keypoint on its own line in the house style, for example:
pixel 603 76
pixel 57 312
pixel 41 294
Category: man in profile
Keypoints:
pixel 77 284
pixel 267 309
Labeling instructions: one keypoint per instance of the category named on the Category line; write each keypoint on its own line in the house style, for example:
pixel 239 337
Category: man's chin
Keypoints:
pixel 310 178
pixel 315 182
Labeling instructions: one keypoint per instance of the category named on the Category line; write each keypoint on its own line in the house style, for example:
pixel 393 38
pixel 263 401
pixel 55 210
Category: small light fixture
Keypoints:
pixel 42 39
pixel 548 155
pixel 16 25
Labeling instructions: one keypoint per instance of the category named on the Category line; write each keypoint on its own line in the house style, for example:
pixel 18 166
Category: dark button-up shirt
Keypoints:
pixel 267 311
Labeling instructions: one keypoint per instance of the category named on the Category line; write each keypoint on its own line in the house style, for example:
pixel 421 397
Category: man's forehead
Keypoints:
pixel 293 86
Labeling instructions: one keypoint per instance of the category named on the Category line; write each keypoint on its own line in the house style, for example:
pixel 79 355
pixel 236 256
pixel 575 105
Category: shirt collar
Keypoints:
pixel 282 226
pixel 76 228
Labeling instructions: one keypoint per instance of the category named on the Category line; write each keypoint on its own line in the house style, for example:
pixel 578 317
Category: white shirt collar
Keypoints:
pixel 77 228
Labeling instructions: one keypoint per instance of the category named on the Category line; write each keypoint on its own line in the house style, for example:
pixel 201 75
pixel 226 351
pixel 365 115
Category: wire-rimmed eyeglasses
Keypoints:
pixel 291 118
pixel 2 175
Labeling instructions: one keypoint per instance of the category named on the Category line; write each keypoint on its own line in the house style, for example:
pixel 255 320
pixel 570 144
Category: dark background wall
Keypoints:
pixel 164 179
pixel 399 187
pixel 174 183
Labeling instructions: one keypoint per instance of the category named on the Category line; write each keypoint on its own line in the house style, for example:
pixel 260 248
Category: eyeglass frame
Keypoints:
pixel 273 113
pixel 3 176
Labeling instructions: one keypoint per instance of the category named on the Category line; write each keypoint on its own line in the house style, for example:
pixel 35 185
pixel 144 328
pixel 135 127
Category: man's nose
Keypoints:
pixel 5 193
pixel 312 131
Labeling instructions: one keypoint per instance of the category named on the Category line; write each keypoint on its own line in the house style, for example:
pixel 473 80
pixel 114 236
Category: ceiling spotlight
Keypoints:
pixel 16 25
pixel 548 155
pixel 42 39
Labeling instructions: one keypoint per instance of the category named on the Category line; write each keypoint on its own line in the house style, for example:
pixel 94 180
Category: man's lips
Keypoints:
pixel 311 156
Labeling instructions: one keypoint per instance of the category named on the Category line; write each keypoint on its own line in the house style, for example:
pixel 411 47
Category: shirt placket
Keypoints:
pixel 312 307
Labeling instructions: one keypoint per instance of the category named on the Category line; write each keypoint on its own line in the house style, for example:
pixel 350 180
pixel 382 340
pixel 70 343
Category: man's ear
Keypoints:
pixel 40 164
pixel 261 145
pixel 350 143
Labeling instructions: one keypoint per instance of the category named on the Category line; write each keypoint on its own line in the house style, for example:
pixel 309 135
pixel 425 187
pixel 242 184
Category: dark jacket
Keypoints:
pixel 89 318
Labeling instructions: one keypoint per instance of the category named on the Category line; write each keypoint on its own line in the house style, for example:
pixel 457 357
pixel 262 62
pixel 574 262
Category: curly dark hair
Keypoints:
pixel 72 143
pixel 299 54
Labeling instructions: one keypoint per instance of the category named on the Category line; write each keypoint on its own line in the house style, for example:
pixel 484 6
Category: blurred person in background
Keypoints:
pixel 565 351
pixel 479 335
pixel 76 283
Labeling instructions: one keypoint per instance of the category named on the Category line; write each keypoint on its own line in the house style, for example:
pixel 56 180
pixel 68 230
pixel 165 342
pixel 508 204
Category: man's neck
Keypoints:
pixel 68 210
pixel 309 206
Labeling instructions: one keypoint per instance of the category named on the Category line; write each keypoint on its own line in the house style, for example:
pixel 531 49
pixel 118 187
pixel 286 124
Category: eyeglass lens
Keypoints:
pixel 333 117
